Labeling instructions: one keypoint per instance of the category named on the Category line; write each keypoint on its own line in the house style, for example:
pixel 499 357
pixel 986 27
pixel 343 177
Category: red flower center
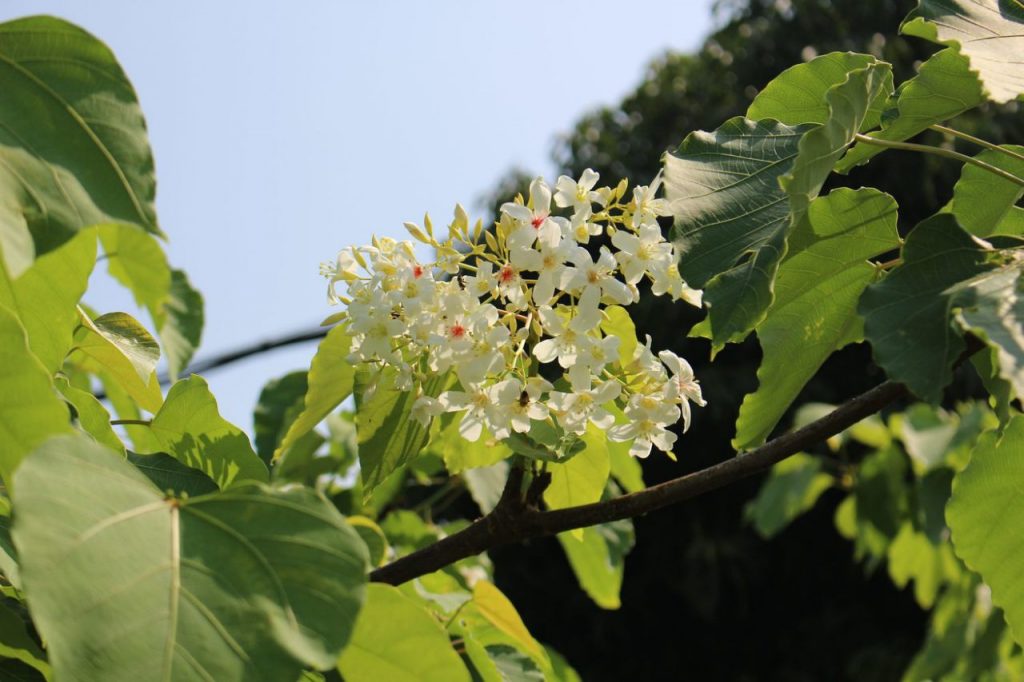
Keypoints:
pixel 507 274
pixel 417 271
pixel 537 221
pixel 458 331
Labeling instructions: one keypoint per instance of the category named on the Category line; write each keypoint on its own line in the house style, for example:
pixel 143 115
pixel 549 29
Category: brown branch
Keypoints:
pixel 512 520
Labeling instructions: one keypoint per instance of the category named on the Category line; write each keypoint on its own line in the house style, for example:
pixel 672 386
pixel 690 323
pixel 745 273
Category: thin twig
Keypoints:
pixel 978 141
pixel 938 151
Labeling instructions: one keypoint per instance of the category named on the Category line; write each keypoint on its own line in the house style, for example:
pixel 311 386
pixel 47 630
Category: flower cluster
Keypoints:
pixel 524 316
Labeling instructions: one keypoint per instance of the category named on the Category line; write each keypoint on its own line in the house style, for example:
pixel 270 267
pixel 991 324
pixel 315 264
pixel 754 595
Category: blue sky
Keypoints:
pixel 284 132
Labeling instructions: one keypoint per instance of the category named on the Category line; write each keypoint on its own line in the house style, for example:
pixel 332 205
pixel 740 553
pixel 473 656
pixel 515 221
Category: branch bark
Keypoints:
pixel 515 520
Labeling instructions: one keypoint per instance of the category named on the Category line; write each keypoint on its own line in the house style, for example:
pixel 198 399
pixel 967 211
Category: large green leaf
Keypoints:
pixel 793 487
pixel 249 584
pixel 598 559
pixel 992 308
pixel 983 203
pixel 458 453
pixel 943 88
pixel 276 401
pixel 797 95
pixel 30 409
pixel 189 428
pixel 913 557
pixel 907 314
pixel 168 474
pixel 986 513
pixel 989 32
pixel 117 343
pixel 331 379
pixel 73 145
pixel 398 640
pixel 388 435
pixel 46 295
pixel 815 306
pixel 849 106
pixel 732 217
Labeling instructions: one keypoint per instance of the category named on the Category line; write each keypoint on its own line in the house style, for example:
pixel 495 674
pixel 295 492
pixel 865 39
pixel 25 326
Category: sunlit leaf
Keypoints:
pixel 118 344
pixel 46 295
pixel 983 203
pixel 582 479
pixel 598 559
pixel 330 380
pixel 989 32
pixel 815 306
pixel 255 583
pixel 797 95
pixel 943 88
pixel 30 409
pixel 276 400
pixel 396 639
pixel 73 146
pixel 985 514
pixel 189 428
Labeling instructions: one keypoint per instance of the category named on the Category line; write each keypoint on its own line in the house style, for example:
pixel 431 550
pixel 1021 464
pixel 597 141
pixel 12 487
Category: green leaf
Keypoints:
pixel 992 309
pixel 168 474
pixel 73 147
pixel 907 314
pixel 331 379
pixel 179 322
pixel 372 535
pixel 93 418
pixel 815 307
pixel 943 88
pixel 117 343
pixel 493 619
pixel 254 583
pixel 880 502
pixel 136 260
pixel 512 665
pixel 849 104
pixel 625 468
pixel 913 557
pixel 985 514
pixel 16 643
pixel 982 202
pixel 797 95
pixel 30 409
pixel 582 479
pixel 396 639
pixel 989 32
pixel 276 399
pixel 792 488
pixel 388 436
pixel 598 559
pixel 8 554
pixel 190 429
pixel 45 297
pixel 732 217
pixel 459 454
pixel 617 322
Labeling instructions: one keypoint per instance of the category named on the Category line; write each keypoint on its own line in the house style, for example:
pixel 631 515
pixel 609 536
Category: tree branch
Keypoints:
pixel 513 521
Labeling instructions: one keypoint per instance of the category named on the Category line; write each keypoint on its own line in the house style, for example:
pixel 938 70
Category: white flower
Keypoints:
pixel 682 386
pixel 548 263
pixel 646 207
pixel 579 195
pixel 536 224
pixel 575 409
pixel 598 276
pixel 639 253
